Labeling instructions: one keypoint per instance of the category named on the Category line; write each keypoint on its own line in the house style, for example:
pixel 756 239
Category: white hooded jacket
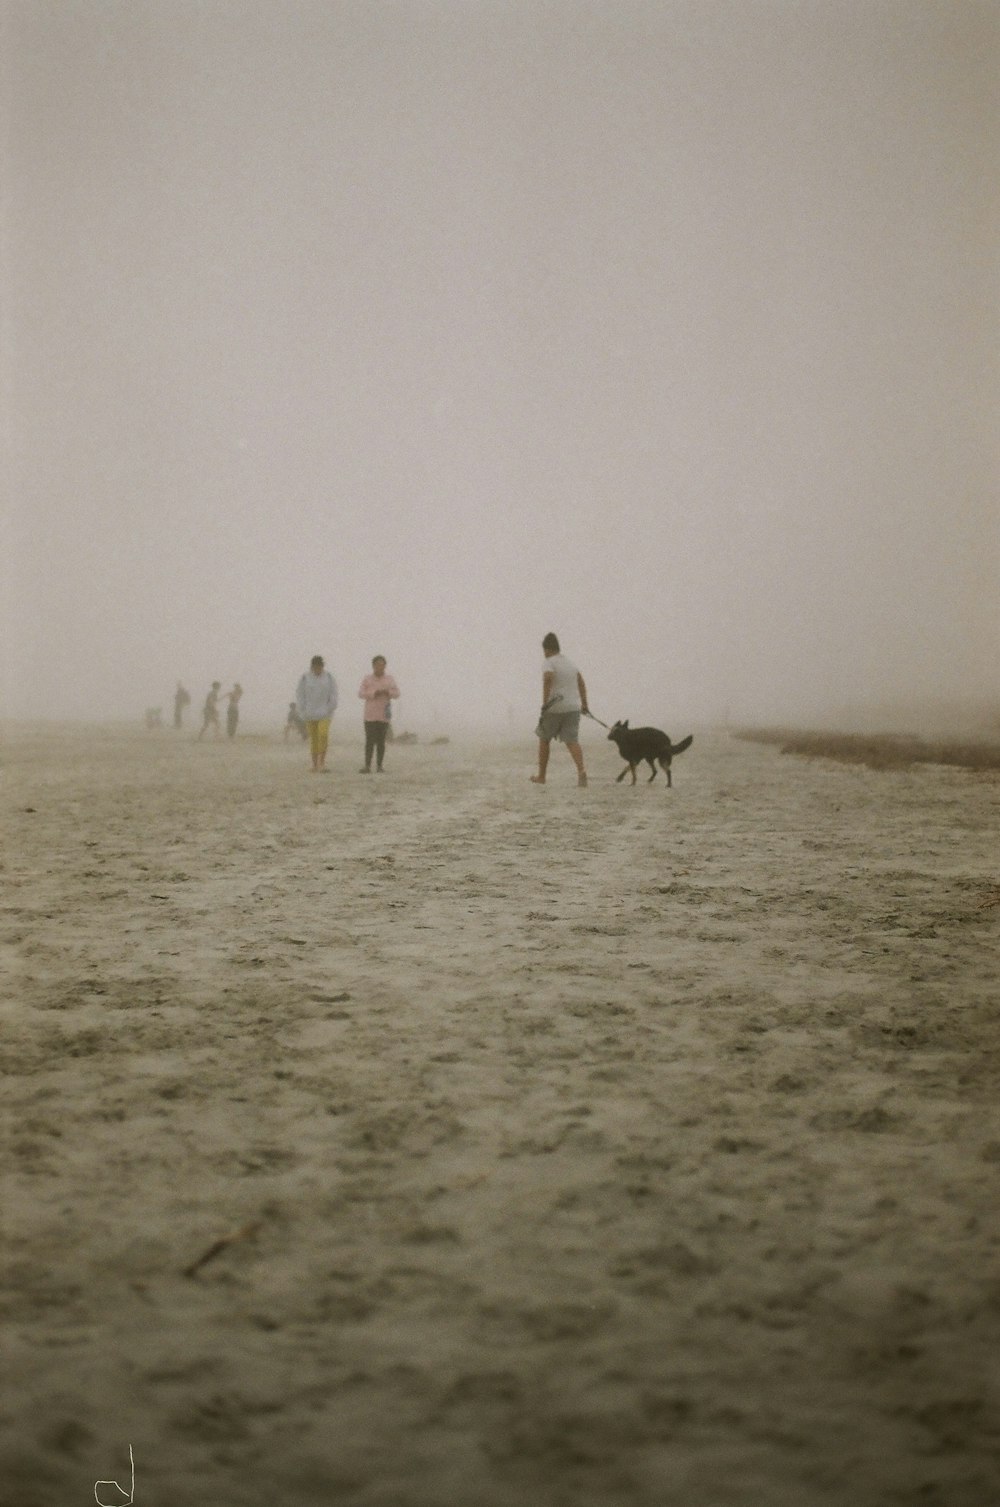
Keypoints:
pixel 316 697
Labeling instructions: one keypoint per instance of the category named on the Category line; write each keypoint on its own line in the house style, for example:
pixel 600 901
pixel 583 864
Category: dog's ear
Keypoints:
pixel 625 723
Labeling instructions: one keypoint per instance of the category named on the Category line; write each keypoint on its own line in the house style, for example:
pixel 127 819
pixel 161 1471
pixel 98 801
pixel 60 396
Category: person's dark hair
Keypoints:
pixel 376 658
pixel 550 642
pixel 317 659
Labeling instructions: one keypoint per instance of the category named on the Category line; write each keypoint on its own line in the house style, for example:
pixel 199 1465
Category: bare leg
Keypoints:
pixel 543 762
pixel 576 754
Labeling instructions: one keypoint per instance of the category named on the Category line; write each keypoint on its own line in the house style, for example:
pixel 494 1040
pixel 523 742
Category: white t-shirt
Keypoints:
pixel 564 673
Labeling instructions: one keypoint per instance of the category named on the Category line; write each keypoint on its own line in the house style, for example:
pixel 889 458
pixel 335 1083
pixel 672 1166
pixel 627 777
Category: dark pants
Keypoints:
pixel 375 741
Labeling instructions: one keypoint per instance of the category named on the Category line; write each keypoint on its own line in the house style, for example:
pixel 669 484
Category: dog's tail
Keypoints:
pixel 676 748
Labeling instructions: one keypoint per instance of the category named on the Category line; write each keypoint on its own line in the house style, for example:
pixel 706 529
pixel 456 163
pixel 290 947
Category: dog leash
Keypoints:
pixel 548 705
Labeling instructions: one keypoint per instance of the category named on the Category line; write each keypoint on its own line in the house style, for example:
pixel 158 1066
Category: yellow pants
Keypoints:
pixel 319 732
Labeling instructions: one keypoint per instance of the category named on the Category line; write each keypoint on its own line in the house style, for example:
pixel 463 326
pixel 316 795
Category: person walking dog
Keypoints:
pixel 564 701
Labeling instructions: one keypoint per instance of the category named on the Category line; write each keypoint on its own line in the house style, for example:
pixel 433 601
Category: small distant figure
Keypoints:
pixel 316 701
pixel 294 723
pixel 210 712
pixel 154 716
pixel 564 701
pixel 233 709
pixel 377 691
pixel 182 699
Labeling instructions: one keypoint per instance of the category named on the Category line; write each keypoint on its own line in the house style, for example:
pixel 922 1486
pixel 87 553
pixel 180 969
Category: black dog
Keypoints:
pixel 638 743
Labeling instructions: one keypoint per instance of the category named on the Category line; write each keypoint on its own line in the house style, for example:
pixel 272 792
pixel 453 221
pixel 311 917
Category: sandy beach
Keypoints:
pixel 435 1139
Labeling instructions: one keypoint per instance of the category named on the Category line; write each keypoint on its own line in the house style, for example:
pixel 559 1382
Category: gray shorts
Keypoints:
pixel 562 725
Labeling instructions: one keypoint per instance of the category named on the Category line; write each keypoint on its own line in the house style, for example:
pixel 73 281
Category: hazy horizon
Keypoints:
pixel 425 328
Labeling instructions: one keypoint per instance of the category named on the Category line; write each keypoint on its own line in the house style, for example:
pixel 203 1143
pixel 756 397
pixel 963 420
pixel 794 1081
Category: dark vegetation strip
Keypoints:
pixel 877 750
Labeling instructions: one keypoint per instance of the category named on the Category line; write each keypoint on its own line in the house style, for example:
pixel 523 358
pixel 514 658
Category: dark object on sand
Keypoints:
pixel 217 1246
pixel 405 738
pixel 645 744
pixel 439 742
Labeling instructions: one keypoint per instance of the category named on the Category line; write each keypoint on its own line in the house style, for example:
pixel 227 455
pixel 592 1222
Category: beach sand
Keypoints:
pixel 617 1146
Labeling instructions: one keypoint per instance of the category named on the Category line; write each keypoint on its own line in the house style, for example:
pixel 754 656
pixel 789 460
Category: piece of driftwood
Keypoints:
pixel 220 1245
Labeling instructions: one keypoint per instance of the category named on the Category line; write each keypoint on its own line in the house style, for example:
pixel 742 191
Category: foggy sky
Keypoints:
pixel 424 328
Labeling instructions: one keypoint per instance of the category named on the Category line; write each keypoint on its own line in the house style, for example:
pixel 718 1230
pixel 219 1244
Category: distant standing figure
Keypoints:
pixel 294 723
pixel 316 702
pixel 233 710
pixel 564 701
pixel 210 711
pixel 181 700
pixel 377 691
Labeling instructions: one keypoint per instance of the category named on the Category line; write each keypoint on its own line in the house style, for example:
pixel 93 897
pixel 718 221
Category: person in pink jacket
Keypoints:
pixel 377 691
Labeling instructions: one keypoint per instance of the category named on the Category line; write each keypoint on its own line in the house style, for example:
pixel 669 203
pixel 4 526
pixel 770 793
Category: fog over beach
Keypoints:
pixel 424 328
pixel 434 1138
